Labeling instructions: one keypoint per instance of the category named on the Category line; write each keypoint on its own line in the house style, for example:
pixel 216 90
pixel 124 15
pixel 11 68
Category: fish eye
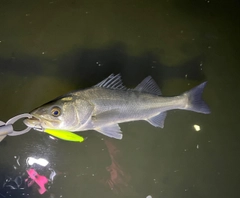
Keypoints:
pixel 56 111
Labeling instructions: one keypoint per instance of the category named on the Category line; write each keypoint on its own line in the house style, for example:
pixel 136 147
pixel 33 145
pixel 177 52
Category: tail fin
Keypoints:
pixel 195 101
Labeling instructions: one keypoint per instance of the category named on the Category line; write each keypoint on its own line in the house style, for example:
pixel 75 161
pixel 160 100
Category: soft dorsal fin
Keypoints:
pixel 148 85
pixel 112 82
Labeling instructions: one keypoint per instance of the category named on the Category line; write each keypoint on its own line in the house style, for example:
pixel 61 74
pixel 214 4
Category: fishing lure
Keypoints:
pixel 64 135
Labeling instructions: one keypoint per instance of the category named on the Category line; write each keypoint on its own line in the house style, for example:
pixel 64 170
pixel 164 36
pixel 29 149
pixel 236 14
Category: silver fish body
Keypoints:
pixel 109 103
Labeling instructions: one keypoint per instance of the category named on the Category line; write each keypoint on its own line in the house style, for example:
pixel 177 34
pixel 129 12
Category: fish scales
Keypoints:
pixel 105 105
pixel 130 104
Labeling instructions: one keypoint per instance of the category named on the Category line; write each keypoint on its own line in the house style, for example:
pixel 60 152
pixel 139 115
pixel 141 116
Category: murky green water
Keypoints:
pixel 48 48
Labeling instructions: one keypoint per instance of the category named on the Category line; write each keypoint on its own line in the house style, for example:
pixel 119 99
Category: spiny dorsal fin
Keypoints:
pixel 148 85
pixel 112 82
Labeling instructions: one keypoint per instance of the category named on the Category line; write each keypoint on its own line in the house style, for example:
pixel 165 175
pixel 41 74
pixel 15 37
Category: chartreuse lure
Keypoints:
pixel 64 135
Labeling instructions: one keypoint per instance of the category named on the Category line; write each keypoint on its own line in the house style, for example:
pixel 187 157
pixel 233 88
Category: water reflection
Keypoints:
pixel 40 180
pixel 42 162
pixel 118 179
pixel 33 179
pixel 14 183
pixel 33 176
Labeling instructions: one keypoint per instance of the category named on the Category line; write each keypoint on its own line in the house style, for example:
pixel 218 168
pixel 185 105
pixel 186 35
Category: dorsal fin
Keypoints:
pixel 148 85
pixel 112 82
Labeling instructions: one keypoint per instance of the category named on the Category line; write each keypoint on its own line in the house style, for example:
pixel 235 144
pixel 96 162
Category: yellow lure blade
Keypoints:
pixel 65 135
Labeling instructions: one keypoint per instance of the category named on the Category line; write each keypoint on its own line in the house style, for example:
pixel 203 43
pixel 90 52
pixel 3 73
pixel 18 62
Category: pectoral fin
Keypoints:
pixel 113 131
pixel 158 120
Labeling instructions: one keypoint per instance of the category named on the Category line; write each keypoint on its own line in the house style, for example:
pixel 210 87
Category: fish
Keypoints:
pixel 103 106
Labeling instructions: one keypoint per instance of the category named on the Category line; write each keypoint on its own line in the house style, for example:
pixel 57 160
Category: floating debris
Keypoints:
pixel 196 127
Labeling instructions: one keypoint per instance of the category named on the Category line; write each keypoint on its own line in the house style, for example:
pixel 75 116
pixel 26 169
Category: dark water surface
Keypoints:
pixel 48 48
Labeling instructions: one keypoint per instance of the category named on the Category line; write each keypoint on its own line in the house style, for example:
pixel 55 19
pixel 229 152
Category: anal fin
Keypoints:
pixel 113 131
pixel 158 120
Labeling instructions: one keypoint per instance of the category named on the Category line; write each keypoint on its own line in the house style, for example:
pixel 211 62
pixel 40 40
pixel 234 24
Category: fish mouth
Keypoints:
pixel 39 123
pixel 33 122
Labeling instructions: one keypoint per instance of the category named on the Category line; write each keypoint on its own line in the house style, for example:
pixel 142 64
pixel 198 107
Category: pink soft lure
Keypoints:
pixel 38 179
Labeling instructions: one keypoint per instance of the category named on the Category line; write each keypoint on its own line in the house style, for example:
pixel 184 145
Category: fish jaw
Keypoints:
pixel 39 123
pixel 33 123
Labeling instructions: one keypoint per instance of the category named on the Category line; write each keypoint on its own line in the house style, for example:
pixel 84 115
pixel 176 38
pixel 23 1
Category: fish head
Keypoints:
pixel 57 114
